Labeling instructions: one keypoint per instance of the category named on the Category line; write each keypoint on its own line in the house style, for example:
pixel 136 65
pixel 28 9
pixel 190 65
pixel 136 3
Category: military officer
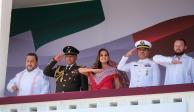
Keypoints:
pixel 144 72
pixel 68 78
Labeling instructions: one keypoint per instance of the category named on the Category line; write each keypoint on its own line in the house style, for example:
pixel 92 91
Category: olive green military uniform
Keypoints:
pixel 67 79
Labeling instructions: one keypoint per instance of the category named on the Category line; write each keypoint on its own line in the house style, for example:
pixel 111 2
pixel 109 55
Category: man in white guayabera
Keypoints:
pixel 30 81
pixel 180 67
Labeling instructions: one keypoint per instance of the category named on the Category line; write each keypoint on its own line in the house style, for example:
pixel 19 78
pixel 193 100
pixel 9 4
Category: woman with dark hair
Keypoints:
pixel 103 74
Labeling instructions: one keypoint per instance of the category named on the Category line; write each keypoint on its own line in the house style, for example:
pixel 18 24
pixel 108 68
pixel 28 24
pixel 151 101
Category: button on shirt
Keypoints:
pixel 177 73
pixel 143 72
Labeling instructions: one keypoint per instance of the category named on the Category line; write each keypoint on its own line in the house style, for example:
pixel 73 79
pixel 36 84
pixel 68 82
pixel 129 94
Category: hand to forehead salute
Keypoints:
pixel 59 57
pixel 143 72
pixel 68 78
pixel 131 52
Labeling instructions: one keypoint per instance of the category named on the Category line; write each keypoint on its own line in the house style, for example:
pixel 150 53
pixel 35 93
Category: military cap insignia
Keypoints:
pixel 142 43
pixel 70 50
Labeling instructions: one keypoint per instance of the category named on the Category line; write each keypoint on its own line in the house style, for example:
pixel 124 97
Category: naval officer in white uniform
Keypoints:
pixel 144 72
pixel 180 67
pixel 30 81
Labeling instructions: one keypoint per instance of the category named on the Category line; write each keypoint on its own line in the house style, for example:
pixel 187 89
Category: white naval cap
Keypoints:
pixel 143 44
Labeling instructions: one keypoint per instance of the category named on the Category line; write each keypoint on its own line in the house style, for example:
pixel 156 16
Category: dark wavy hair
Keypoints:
pixel 98 64
pixel 33 54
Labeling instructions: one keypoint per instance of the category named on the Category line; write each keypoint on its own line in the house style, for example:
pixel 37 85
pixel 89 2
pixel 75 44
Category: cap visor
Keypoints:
pixel 70 53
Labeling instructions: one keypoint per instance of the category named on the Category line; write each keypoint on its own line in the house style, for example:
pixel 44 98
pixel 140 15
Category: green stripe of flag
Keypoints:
pixel 49 23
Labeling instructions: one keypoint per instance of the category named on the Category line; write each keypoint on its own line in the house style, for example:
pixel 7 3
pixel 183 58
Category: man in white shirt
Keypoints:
pixel 180 67
pixel 30 81
pixel 144 72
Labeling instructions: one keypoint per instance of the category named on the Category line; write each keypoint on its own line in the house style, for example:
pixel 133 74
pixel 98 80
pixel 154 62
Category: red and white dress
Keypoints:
pixel 103 80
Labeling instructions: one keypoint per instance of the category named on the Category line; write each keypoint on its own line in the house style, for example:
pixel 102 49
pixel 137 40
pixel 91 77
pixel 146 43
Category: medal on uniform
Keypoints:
pixel 147 66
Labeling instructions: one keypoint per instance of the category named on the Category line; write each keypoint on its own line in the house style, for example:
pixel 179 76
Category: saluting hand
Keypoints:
pixel 175 61
pixel 87 70
pixel 59 57
pixel 131 52
pixel 96 70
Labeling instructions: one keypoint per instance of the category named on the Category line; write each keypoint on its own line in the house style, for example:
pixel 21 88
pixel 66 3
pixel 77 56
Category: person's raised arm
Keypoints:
pixel 86 71
pixel 122 66
pixel 164 60
pixel 49 70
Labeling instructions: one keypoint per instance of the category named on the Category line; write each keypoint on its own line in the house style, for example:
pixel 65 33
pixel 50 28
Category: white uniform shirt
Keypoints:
pixel 143 72
pixel 177 73
pixel 30 83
